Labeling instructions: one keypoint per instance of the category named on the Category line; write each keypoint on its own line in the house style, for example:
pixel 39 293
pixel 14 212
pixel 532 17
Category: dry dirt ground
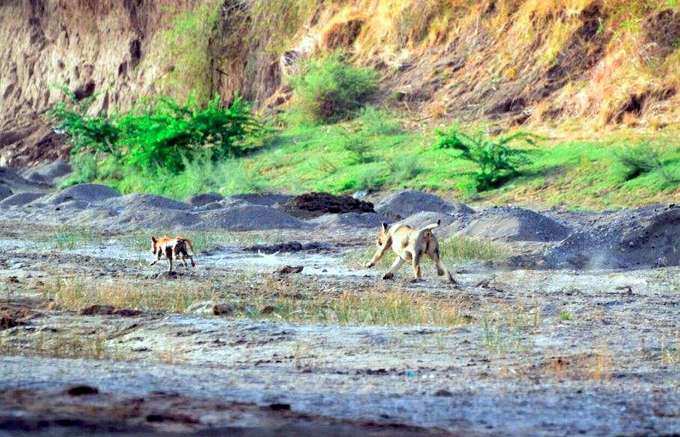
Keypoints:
pixel 232 347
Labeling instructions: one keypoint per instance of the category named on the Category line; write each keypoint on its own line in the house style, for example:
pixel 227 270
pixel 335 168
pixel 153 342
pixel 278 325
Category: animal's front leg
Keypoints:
pixel 378 256
pixel 154 262
pixel 395 266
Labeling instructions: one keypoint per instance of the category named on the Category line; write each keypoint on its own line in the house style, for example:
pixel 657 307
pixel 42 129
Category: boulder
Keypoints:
pixel 515 224
pixel 141 201
pixel 249 218
pixel 5 192
pixel 348 220
pixel 644 237
pixel 204 199
pixel 20 199
pixel 48 173
pixel 83 192
pixel 402 204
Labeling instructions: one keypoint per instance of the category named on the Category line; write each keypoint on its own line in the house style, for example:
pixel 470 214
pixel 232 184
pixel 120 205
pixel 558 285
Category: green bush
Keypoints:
pixel 162 134
pixel 637 160
pixel 330 90
pixel 497 162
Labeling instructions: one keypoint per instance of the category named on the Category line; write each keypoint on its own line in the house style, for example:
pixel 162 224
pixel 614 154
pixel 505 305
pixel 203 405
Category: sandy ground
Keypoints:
pixel 544 352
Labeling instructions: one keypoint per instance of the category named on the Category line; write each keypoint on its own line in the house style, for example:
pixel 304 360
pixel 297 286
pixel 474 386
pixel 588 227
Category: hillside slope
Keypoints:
pixel 597 62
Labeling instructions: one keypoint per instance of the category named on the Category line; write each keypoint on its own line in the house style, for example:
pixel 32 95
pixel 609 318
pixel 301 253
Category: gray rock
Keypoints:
pixel 20 199
pixel 644 237
pixel 204 199
pixel 350 219
pixel 48 173
pixel 265 199
pixel 141 201
pixel 515 224
pixel 249 217
pixel 5 192
pixel 84 192
pixel 405 203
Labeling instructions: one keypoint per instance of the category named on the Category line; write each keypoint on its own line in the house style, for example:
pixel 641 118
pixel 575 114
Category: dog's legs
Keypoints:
pixel 168 253
pixel 158 258
pixel 184 259
pixel 395 266
pixel 441 268
pixel 415 262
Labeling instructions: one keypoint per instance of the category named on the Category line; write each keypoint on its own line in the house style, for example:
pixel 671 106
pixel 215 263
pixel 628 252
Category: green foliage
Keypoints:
pixel 164 134
pixel 497 162
pixel 637 160
pixel 330 90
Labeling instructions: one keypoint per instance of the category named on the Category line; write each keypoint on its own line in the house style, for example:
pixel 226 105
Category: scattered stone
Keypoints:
pixel 443 393
pixel 108 310
pixel 291 246
pixel 288 270
pixel 267 310
pixel 223 309
pixel 312 205
pixel 82 390
pixel 402 204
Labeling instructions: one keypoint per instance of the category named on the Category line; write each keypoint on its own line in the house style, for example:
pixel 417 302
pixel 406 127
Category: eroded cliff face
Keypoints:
pixel 91 47
pixel 514 62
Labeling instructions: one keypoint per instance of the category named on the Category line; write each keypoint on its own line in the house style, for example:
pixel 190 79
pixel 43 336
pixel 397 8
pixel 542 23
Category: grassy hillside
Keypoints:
pixel 354 93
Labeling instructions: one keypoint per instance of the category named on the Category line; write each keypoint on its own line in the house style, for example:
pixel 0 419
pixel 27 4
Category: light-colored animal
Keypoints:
pixel 172 247
pixel 409 244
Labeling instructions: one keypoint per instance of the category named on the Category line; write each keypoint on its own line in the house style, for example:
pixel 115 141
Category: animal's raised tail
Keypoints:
pixel 430 227
pixel 193 252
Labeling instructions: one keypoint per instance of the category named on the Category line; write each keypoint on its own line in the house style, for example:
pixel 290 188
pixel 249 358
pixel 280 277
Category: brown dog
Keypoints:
pixel 172 247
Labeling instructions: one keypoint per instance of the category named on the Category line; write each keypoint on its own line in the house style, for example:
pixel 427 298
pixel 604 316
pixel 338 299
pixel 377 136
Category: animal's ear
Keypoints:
pixel 385 227
pixel 153 239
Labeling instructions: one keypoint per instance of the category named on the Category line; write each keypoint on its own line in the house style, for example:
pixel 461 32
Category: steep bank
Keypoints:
pixel 601 62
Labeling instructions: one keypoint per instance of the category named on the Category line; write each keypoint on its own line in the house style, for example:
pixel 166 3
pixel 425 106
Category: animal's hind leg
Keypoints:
pixel 441 268
pixel 184 259
pixel 415 262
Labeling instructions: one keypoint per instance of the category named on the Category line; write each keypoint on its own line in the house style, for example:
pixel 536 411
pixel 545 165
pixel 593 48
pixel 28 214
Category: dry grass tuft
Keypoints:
pixel 272 299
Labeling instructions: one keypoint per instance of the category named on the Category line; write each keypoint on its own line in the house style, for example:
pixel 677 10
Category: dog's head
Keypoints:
pixel 383 235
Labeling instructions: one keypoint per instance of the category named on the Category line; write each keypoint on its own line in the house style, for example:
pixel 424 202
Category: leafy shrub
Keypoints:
pixel 163 134
pixel 377 122
pixel 637 160
pixel 403 169
pixel 329 89
pixel 497 162
pixel 358 145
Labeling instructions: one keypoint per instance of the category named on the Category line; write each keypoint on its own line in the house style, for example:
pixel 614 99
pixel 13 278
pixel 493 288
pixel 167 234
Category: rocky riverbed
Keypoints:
pixel 574 330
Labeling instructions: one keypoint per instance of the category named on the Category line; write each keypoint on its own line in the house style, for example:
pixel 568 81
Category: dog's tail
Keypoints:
pixel 429 228
pixel 193 252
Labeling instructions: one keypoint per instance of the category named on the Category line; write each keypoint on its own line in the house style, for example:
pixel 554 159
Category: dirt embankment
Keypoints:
pixel 513 62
